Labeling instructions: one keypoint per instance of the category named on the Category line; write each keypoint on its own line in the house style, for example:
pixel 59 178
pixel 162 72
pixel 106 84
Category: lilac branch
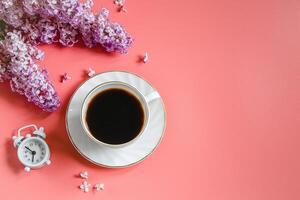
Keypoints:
pixel 26 77
pixel 64 21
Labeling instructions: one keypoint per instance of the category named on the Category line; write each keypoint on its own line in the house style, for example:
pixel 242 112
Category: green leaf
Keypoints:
pixel 2 29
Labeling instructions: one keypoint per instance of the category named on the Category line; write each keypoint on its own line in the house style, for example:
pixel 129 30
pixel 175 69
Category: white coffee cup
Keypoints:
pixel 143 99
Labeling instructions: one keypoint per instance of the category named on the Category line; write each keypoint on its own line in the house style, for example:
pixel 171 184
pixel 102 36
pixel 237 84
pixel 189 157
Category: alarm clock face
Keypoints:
pixel 33 152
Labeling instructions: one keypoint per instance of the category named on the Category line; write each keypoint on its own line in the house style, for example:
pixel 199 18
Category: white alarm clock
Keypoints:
pixel 33 151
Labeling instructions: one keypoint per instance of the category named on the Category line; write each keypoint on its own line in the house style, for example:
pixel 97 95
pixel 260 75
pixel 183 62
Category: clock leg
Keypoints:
pixel 27 169
pixel 48 162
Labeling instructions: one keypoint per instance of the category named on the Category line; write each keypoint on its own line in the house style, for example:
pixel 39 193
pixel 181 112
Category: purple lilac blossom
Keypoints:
pixel 26 77
pixel 65 21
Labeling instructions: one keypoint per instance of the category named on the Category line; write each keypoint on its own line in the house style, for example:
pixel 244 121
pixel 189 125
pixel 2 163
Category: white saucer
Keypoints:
pixel 122 156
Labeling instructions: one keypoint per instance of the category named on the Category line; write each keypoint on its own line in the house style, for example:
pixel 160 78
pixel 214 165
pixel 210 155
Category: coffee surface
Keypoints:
pixel 115 116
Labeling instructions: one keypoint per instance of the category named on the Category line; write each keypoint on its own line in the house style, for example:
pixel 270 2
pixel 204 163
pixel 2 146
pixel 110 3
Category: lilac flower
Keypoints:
pixel 25 76
pixel 99 186
pixel 119 2
pixel 64 21
pixel 91 72
pixel 3 75
pixel 122 9
pixel 146 58
pixel 65 77
pixel 85 186
pixel 84 175
pixel 47 30
pixel 67 35
pixel 11 12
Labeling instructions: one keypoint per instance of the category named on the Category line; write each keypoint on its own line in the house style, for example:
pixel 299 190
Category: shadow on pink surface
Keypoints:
pixel 11 157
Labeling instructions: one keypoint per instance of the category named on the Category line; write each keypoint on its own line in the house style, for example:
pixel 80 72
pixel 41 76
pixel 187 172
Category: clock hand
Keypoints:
pixel 28 149
pixel 33 153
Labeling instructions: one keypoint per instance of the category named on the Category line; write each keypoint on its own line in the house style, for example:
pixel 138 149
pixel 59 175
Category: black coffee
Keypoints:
pixel 115 116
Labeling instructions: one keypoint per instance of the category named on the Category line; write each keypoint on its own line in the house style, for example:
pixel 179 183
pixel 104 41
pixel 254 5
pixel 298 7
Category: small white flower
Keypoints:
pixel 119 2
pixel 122 9
pixel 39 55
pixel 65 77
pixel 91 72
pixel 7 3
pixel 99 186
pixel 84 175
pixel 85 186
pixel 146 58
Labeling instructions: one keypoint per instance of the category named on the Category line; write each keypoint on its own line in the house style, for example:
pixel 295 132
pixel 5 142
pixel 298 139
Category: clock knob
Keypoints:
pixel 40 132
pixel 17 140
pixel 27 169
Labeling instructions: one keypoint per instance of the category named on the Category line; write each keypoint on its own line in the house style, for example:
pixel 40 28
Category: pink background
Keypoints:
pixel 228 72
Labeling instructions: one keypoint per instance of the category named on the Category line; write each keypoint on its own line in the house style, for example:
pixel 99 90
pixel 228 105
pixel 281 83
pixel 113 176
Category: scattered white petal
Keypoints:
pixel 99 186
pixel 122 9
pixel 91 72
pixel 119 2
pixel 85 186
pixel 65 77
pixel 84 175
pixel 146 58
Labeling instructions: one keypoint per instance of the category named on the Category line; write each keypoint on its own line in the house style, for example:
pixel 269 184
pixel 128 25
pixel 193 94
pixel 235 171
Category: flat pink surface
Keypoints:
pixel 228 72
